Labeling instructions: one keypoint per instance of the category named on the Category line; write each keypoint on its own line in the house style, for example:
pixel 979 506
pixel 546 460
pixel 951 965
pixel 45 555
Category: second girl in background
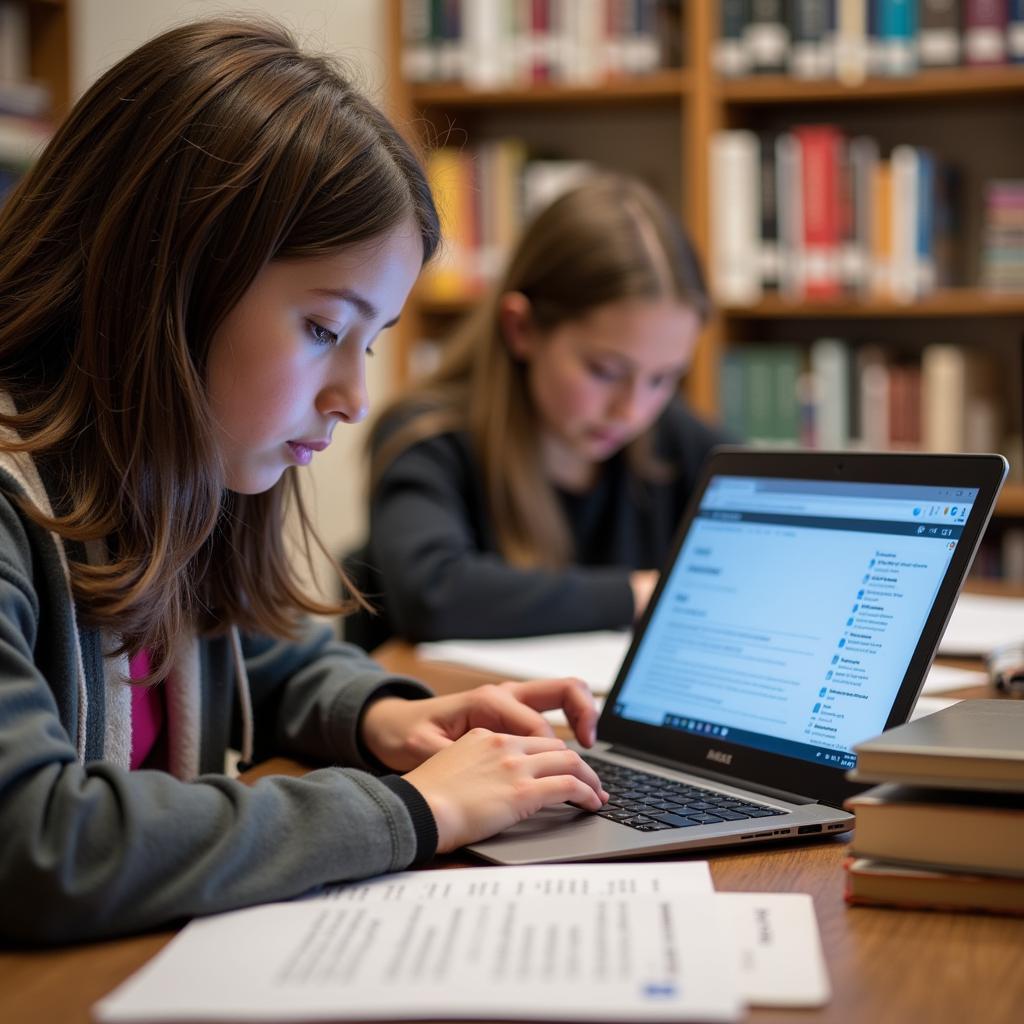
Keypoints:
pixel 534 482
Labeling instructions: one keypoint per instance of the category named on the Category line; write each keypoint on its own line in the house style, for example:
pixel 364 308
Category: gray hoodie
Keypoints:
pixel 89 849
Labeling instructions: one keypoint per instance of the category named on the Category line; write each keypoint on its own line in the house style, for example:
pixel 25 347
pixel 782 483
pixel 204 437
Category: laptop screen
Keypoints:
pixel 791 612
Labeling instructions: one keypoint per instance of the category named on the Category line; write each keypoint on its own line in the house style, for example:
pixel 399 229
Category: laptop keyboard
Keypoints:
pixel 650 803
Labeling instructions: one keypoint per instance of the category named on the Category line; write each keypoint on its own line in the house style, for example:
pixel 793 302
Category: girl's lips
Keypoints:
pixel 302 451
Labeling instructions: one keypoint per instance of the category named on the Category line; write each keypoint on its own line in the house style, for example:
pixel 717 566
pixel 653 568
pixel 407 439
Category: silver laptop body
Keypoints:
pixel 798 614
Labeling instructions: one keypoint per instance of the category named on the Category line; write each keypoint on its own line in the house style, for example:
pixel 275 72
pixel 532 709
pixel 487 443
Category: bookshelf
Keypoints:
pixel 49 49
pixel 972 114
pixel 34 81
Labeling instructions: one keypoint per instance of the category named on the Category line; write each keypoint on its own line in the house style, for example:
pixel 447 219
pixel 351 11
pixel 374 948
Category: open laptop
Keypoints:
pixel 798 615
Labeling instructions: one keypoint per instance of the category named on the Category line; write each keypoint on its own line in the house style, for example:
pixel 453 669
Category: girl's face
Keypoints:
pixel 288 363
pixel 599 382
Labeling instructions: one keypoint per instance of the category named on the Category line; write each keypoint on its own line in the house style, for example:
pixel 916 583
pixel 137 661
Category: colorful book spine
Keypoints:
pixel 819 147
pixel 898 30
pixel 985 25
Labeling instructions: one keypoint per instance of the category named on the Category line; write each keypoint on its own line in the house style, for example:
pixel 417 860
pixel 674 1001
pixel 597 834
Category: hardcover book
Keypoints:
pixel 976 744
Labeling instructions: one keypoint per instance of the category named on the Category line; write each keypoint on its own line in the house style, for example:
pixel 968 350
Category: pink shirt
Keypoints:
pixel 147 710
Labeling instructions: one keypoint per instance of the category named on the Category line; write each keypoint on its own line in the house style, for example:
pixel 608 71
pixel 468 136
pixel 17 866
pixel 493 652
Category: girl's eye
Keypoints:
pixel 321 335
pixel 603 373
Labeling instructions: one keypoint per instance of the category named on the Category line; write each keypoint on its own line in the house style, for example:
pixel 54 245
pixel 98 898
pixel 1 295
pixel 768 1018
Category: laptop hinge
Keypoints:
pixel 704 773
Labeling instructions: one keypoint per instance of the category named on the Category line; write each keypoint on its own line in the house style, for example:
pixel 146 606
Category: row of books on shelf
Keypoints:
pixel 834 395
pixel 816 214
pixel 1002 256
pixel 484 194
pixel 945 828
pixel 850 40
pixel 496 43
pixel 24 104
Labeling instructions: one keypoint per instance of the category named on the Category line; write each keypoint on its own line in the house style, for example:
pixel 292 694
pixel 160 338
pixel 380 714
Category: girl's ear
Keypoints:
pixel 515 319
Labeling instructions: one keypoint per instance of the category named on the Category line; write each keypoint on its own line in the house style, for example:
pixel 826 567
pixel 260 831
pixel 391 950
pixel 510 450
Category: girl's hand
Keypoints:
pixel 404 733
pixel 487 781
pixel 642 582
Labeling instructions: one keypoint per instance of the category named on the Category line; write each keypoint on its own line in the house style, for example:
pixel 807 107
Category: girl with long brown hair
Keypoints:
pixel 534 482
pixel 190 279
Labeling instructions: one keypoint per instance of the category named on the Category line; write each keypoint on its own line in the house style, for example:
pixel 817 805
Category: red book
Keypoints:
pixel 985 23
pixel 822 208
pixel 540 37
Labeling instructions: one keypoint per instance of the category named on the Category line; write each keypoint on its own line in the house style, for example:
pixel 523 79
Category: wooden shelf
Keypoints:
pixel 1011 501
pixel 945 84
pixel 960 302
pixel 661 85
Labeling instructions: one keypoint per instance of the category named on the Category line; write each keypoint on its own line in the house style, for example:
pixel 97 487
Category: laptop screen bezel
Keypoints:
pixel 743 764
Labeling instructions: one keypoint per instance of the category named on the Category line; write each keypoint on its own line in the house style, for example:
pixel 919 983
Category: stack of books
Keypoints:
pixel 945 830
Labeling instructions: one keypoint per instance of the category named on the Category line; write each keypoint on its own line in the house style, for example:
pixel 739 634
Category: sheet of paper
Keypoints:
pixel 943 678
pixel 571 942
pixel 780 957
pixel 929 705
pixel 594 657
pixel 981 623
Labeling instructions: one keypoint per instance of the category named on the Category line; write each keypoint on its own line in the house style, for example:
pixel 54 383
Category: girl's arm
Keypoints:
pixel 428 538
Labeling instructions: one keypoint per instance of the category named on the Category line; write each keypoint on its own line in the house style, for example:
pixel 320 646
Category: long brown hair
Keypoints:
pixel 608 239
pixel 209 151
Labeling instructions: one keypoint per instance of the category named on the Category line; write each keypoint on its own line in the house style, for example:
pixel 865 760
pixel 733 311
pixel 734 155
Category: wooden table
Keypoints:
pixel 886 965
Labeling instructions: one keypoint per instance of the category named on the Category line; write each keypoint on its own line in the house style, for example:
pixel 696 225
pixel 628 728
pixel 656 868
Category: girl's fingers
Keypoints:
pixel 513 715
pixel 565 762
pixel 557 789
pixel 570 694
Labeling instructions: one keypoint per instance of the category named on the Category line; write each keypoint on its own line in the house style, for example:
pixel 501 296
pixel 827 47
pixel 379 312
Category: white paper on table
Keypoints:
pixel 594 657
pixel 564 942
pixel 780 957
pixel 929 705
pixel 981 623
pixel 942 678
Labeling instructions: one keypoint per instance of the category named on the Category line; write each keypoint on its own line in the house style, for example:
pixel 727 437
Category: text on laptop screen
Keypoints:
pixel 792 612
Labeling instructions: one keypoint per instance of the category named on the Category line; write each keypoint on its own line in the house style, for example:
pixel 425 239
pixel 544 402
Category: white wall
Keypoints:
pixel 104 30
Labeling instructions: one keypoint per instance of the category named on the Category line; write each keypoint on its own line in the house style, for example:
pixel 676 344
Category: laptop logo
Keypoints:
pixel 719 756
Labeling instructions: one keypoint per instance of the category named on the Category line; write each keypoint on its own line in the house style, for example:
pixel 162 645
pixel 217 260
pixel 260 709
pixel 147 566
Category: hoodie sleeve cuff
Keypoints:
pixel 422 816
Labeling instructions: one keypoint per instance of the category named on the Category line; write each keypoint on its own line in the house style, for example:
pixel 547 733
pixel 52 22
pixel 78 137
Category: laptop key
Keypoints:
pixel 730 814
pixel 674 820
pixel 705 819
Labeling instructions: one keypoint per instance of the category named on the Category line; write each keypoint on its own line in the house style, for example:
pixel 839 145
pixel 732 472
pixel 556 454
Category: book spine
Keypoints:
pixel 873 398
pixel 789 215
pixel 943 394
pixel 851 55
pixel 1015 32
pixel 939 37
pixel 819 145
pixel 830 365
pixel 809 31
pixel 731 58
pixel 770 258
pixel 903 209
pixel 899 37
pixel 735 217
pixel 985 25
pixel 766 38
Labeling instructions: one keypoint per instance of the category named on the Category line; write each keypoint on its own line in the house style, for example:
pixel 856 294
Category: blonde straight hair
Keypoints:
pixel 610 238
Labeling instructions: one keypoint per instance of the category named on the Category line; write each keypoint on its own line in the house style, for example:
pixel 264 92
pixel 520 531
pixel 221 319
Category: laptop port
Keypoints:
pixel 804 830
